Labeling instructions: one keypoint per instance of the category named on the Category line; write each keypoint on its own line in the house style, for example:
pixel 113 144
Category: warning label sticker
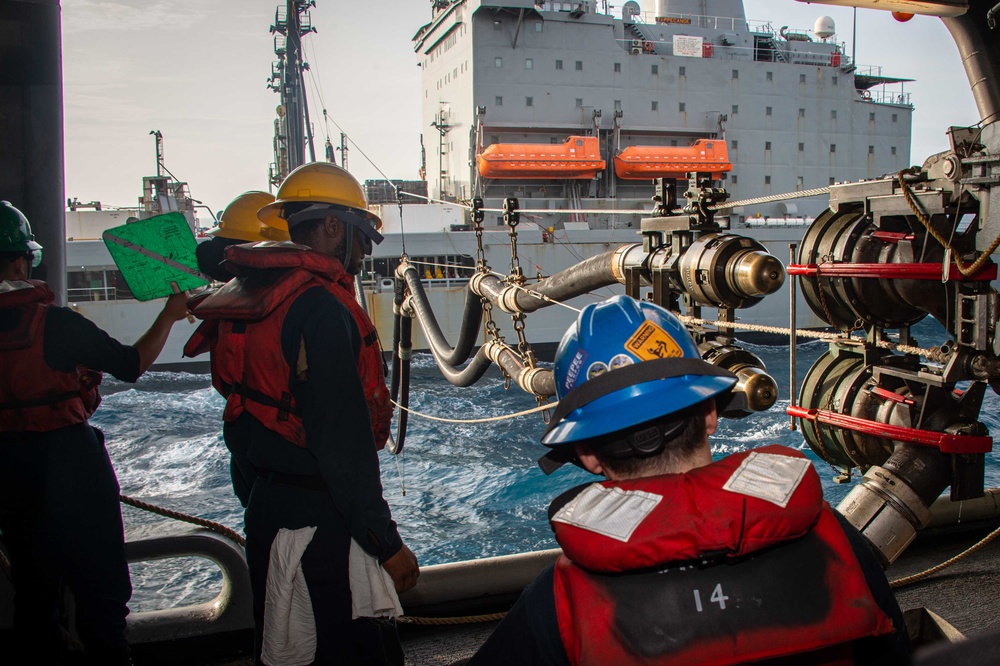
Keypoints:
pixel 651 342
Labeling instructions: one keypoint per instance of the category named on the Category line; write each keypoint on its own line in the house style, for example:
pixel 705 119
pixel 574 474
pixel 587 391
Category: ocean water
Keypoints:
pixel 458 491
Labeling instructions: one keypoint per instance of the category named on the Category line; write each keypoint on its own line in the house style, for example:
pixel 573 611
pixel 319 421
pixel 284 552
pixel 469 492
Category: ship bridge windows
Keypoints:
pixel 871 117
pixel 736 109
pixel 681 107
pixel 579 102
pixel 498 62
pixel 895 117
pixel 682 71
pixel 498 101
pixel 802 78
pixel 618 105
pixel 892 150
pixel 497 25
pixel 579 65
pixel 655 106
pixel 618 68
pixel 802 147
pixel 733 178
pixel 770 76
pixel 736 74
pixel 833 147
pixel 529 63
pixel 833 79
pixel 802 113
pixel 736 144
pixel 558 64
pixel 654 70
pixel 767 111
pixel 529 101
pixel 539 26
pixel 767 146
pixel 871 150
pixel 767 180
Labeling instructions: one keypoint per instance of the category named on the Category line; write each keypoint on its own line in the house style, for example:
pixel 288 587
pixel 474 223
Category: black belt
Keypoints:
pixel 306 481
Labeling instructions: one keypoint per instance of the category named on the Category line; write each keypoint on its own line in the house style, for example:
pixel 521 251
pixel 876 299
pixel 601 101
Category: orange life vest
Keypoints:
pixel 33 396
pixel 242 329
pixel 676 569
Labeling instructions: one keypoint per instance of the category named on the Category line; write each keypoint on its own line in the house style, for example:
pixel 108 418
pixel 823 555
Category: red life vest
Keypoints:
pixel 33 396
pixel 676 569
pixel 243 332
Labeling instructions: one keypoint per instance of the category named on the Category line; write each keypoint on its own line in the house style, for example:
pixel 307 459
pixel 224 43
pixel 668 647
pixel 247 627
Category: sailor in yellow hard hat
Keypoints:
pixel 237 224
pixel 313 191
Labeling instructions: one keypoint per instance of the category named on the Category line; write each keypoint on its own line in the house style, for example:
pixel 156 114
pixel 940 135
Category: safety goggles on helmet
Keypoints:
pixel 356 218
pixel 35 257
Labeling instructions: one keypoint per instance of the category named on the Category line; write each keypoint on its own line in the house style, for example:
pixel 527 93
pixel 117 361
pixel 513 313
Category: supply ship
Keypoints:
pixel 572 112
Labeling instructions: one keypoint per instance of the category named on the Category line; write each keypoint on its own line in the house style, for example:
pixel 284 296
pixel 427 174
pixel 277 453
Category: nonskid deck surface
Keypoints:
pixel 965 594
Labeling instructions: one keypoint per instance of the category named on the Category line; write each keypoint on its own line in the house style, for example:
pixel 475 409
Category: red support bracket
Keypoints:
pixel 946 442
pixel 925 271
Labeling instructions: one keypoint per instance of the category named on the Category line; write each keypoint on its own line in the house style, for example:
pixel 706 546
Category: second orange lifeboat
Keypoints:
pixel 704 156
pixel 579 157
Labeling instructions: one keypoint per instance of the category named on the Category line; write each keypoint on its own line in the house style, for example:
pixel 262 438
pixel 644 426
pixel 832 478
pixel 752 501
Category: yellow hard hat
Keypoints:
pixel 323 188
pixel 239 220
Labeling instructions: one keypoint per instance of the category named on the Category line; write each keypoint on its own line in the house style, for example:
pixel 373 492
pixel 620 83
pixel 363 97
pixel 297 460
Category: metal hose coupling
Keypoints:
pixel 887 511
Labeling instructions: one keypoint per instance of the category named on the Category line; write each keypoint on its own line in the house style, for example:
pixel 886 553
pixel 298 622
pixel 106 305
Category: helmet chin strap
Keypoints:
pixel 349 244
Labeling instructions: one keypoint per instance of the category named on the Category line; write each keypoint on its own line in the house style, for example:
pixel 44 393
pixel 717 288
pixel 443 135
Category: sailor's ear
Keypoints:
pixel 332 226
pixel 588 459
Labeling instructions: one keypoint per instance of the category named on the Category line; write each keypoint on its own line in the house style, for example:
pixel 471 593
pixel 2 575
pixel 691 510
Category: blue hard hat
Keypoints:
pixel 623 363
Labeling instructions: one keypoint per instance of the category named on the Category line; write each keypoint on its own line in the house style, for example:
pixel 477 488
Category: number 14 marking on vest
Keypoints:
pixel 717 598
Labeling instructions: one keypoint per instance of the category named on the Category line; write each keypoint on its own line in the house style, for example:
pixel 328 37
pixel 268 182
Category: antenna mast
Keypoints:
pixel 291 128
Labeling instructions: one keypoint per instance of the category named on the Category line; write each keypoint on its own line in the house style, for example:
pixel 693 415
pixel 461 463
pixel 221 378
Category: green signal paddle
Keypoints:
pixel 154 253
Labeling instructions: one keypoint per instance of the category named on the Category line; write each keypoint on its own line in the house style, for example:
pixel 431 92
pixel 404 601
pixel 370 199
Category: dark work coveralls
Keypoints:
pixel 60 516
pixel 333 483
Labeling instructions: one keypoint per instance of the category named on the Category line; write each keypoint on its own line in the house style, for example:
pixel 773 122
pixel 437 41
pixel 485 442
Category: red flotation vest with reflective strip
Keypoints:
pixel 676 569
pixel 243 332
pixel 33 396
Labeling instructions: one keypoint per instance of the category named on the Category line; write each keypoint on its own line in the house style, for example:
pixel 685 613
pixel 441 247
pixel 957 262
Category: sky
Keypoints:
pixel 197 72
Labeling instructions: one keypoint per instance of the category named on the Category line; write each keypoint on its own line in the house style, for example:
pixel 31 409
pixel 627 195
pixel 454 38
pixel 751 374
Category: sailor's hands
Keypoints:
pixel 403 569
pixel 175 308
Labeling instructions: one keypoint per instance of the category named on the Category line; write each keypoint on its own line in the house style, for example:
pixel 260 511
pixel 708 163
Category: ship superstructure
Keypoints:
pixel 793 110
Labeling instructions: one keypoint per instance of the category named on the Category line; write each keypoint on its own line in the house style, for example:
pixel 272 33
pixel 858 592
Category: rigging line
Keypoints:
pixel 580 211
pixel 503 417
pixel 932 353
pixel 359 149
pixel 432 200
pixel 815 192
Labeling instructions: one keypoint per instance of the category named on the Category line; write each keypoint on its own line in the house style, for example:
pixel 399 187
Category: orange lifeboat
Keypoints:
pixel 705 156
pixel 579 157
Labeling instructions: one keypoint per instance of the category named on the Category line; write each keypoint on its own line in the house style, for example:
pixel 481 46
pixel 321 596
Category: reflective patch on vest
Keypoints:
pixel 769 477
pixel 611 512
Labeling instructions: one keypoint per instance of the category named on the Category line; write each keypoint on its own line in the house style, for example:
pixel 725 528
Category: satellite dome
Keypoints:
pixel 825 27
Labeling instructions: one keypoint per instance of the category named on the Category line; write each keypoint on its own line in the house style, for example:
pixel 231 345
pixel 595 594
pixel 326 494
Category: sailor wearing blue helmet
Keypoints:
pixel 674 558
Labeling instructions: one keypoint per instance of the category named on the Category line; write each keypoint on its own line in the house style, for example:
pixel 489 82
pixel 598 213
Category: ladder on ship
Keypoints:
pixel 640 44
pixel 766 49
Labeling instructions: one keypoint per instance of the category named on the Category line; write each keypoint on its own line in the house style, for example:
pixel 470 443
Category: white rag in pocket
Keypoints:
pixel 372 591
pixel 289 626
